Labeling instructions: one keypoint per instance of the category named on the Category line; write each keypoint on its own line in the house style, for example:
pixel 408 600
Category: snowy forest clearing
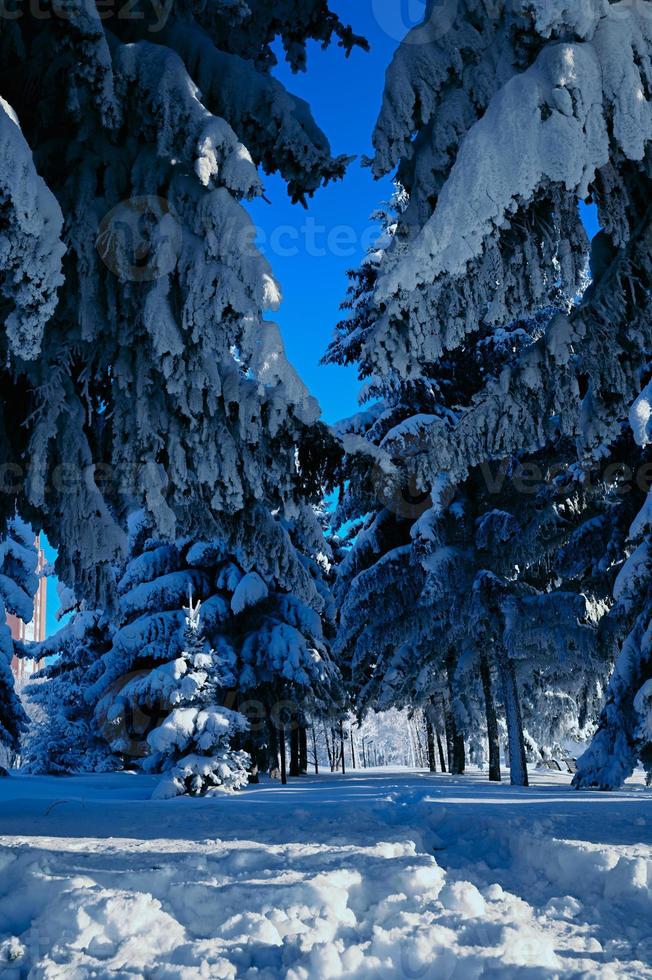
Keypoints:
pixel 381 873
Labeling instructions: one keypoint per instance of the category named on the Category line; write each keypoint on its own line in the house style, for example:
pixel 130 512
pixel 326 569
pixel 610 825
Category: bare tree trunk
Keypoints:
pixel 430 736
pixel 342 744
pixel 352 747
pixel 434 721
pixel 457 756
pixel 272 745
pixel 284 775
pixel 492 721
pixel 364 756
pixel 314 749
pixel 328 748
pixel 303 749
pixel 517 759
pixel 294 749
pixel 440 747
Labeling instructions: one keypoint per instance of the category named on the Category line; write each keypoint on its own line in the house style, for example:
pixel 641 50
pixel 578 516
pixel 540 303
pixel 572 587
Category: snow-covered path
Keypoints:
pixel 385 873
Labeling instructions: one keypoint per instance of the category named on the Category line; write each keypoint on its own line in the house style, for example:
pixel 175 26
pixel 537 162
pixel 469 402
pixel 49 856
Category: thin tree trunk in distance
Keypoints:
pixel 517 758
pixel 294 749
pixel 492 721
pixel 431 712
pixel 440 747
pixel 457 736
pixel 342 744
pixel 328 747
pixel 272 745
pixel 314 749
pixel 430 736
pixel 336 757
pixel 352 747
pixel 303 749
pixel 281 739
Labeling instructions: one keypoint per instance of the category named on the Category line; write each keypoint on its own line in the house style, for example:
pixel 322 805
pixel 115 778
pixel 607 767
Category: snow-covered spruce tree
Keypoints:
pixel 533 541
pixel 624 736
pixel 192 746
pixel 498 119
pixel 287 676
pixel 262 609
pixel 141 370
pixel 18 585
pixel 64 738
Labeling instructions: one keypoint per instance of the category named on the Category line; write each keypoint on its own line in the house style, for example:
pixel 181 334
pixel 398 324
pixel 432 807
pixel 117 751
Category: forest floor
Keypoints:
pixel 380 873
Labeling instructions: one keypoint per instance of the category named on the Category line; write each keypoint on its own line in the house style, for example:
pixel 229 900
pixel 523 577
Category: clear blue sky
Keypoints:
pixel 319 244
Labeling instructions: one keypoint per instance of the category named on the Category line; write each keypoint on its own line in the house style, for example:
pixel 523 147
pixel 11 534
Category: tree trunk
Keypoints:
pixel 457 737
pixel 342 745
pixel 430 735
pixel 303 749
pixel 492 721
pixel 440 748
pixel 517 759
pixel 314 749
pixel 272 746
pixel 431 711
pixel 294 749
pixel 281 740
pixel 328 747
pixel 352 747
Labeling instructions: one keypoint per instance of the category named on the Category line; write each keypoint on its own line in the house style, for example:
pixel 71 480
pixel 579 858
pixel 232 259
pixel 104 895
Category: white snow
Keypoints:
pixel 379 873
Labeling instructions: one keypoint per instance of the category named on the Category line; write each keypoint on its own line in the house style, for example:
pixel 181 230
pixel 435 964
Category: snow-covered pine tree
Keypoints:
pixel 141 368
pixel 193 745
pixel 421 568
pixel 262 612
pixel 287 676
pixel 624 736
pixel 64 736
pixel 499 119
pixel 18 585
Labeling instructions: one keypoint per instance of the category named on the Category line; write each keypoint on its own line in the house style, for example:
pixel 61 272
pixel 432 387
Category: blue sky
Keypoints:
pixel 319 244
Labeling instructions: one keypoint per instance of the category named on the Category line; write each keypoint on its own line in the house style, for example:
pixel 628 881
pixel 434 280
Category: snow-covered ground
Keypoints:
pixel 384 873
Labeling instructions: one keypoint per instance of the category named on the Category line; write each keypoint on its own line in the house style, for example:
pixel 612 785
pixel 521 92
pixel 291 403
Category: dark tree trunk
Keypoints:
pixel 517 759
pixel 434 716
pixel 492 721
pixel 272 746
pixel 342 745
pixel 430 736
pixel 328 748
pixel 281 740
pixel 294 749
pixel 457 755
pixel 352 748
pixel 440 748
pixel 303 749
pixel 314 749
pixel 448 727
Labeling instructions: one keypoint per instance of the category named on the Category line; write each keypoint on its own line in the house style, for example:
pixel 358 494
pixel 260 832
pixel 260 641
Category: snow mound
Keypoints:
pixel 329 877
